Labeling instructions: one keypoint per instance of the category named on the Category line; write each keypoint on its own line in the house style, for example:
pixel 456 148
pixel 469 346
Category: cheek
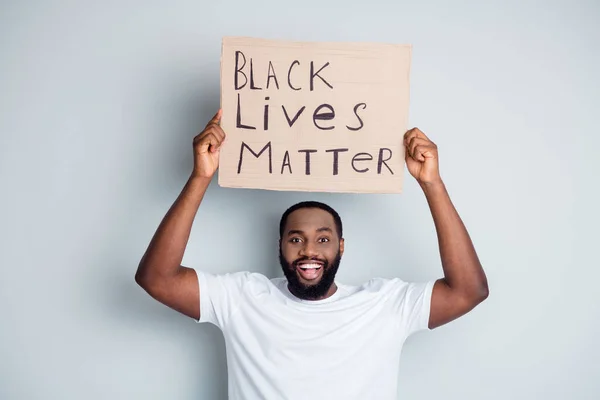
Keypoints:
pixel 289 253
pixel 331 253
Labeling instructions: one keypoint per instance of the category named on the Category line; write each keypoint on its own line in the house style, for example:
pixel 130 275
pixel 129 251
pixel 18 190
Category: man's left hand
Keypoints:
pixel 421 157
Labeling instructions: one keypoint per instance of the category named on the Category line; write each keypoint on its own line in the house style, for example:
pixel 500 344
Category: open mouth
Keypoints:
pixel 309 270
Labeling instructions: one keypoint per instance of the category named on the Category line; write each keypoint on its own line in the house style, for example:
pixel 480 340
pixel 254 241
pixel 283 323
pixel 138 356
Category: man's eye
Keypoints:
pixel 295 240
pixel 323 240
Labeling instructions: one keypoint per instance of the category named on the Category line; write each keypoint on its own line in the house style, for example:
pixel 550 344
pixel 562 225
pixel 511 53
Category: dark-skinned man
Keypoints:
pixel 305 335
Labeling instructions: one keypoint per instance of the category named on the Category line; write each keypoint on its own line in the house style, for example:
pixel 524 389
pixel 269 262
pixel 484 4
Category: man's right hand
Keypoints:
pixel 207 146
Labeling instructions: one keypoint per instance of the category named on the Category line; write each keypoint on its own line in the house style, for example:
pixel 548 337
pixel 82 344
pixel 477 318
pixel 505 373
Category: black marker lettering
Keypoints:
pixel 291 122
pixel 323 116
pixel 289 72
pixel 252 77
pixel 271 69
pixel 239 117
pixel 286 161
pixel 307 159
pixel 335 158
pixel 359 120
pixel 266 116
pixel 239 70
pixel 381 161
pixel 358 158
pixel 244 145
pixel 313 74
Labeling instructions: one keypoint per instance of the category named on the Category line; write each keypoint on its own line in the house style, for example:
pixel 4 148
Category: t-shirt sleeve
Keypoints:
pixel 411 304
pixel 220 296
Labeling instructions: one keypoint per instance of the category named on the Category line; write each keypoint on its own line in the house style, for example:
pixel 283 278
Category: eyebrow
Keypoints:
pixel 300 232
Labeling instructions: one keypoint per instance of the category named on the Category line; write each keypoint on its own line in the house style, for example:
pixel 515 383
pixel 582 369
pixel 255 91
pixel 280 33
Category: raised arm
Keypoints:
pixel 464 285
pixel 160 272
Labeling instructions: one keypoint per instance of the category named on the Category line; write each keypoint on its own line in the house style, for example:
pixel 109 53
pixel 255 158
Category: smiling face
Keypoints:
pixel 310 253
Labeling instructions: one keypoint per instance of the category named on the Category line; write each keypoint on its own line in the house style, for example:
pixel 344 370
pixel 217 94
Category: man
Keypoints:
pixel 305 335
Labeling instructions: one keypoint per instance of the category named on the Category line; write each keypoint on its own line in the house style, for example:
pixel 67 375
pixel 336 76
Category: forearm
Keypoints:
pixel 166 249
pixel 462 270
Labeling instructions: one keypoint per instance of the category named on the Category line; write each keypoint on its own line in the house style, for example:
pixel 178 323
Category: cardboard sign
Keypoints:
pixel 326 117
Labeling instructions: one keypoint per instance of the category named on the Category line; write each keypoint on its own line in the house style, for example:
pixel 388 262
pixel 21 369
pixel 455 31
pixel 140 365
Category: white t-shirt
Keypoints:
pixel 281 347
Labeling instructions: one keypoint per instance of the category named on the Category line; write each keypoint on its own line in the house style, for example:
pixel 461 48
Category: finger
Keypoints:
pixel 216 120
pixel 423 152
pixel 210 142
pixel 420 134
pixel 414 154
pixel 211 130
pixel 409 137
pixel 408 152
pixel 415 132
pixel 217 130
pixel 215 141
pixel 409 133
pixel 415 141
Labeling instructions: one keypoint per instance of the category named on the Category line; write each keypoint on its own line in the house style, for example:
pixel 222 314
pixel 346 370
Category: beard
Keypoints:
pixel 310 292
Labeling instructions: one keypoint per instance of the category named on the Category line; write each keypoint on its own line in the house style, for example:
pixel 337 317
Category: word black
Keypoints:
pixel 271 74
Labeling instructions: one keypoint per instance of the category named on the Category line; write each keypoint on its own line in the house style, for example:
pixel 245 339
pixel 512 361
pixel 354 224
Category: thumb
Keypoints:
pixel 407 156
pixel 216 119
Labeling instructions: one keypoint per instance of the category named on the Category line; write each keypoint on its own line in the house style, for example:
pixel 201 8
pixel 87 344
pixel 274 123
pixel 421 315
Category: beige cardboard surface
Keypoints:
pixel 325 117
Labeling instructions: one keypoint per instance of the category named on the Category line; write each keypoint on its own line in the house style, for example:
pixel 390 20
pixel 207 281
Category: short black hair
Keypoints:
pixel 311 204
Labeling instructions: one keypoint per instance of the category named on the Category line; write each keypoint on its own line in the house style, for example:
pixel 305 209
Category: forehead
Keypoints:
pixel 309 220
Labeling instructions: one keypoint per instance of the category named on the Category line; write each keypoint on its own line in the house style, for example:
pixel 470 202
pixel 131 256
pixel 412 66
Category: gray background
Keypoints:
pixel 98 107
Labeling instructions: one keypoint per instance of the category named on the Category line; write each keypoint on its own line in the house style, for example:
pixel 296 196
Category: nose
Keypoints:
pixel 308 250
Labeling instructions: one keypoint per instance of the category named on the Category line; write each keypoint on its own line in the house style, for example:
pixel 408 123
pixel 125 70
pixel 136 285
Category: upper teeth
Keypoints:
pixel 310 266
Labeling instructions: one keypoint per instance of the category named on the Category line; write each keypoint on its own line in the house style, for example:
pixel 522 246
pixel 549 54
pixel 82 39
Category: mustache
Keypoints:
pixel 305 258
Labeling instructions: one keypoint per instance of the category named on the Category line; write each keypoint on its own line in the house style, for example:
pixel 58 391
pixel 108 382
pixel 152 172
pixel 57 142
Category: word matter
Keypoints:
pixel 357 161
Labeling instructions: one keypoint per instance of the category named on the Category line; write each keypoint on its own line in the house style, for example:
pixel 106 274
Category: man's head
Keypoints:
pixel 310 248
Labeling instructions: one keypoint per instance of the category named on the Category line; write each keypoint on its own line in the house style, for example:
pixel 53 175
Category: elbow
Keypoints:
pixel 139 277
pixel 481 293
pixel 474 295
pixel 479 289
pixel 147 282
pixel 142 277
pixel 150 279
pixel 484 293
pixel 140 280
pixel 472 292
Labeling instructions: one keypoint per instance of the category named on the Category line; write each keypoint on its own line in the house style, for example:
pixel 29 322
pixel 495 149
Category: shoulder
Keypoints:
pixel 396 288
pixel 278 282
pixel 255 282
pixel 382 285
pixel 239 280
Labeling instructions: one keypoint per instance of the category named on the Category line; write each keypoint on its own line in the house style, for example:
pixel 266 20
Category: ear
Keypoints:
pixel 341 246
